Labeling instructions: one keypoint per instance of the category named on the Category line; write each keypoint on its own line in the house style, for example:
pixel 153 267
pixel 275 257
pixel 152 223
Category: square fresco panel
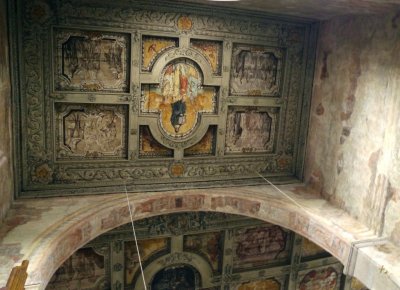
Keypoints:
pixel 91 131
pixel 206 146
pixel 208 245
pixel 149 147
pixel 85 269
pixel 153 47
pixel 251 129
pixel 256 70
pixel 263 245
pixel 147 248
pixel 327 278
pixel 91 61
pixel 212 51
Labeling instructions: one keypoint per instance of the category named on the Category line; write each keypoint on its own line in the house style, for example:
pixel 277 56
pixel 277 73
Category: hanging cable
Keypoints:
pixel 286 195
pixel 134 234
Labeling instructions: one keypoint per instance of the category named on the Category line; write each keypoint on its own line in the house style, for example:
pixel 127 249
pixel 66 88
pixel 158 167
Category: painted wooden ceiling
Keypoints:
pixel 207 251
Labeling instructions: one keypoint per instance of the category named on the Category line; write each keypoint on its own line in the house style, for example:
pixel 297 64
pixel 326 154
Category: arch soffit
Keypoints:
pixel 52 248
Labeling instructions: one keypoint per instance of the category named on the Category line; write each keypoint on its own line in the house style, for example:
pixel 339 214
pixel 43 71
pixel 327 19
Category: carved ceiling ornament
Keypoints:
pixel 184 24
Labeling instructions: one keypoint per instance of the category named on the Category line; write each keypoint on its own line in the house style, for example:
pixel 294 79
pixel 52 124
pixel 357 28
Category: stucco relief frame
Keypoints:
pixel 41 171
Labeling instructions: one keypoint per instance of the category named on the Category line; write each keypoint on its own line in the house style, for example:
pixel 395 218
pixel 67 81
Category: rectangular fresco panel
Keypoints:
pixel 206 146
pixel 212 51
pixel 255 70
pixel 260 246
pixel 85 269
pixel 153 47
pixel 147 248
pixel 268 284
pixel 251 129
pixel 327 278
pixel 208 245
pixel 91 61
pixel 91 131
pixel 149 147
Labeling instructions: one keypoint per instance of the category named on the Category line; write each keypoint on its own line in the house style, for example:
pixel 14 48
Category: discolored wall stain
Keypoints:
pixel 352 155
pixel 324 70
pixel 320 110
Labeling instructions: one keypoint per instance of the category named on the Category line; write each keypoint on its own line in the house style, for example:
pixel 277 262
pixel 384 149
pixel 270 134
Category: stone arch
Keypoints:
pixel 56 243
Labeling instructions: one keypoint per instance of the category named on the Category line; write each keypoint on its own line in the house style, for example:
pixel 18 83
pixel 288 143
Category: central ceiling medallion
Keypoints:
pixel 179 98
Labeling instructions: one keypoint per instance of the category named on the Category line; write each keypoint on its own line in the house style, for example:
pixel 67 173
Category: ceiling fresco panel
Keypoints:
pixel 85 269
pixel 91 131
pixel 260 246
pixel 251 129
pixel 256 71
pixel 91 61
pixel 153 47
pixel 212 51
pixel 321 278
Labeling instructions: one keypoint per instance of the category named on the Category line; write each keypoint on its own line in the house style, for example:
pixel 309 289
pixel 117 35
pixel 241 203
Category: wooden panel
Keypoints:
pixel 88 131
pixel 256 71
pixel 91 61
pixel 254 247
pixel 212 51
pixel 153 47
pixel 251 129
pixel 321 278
pixel 149 147
pixel 85 269
pixel 206 146
pixel 208 245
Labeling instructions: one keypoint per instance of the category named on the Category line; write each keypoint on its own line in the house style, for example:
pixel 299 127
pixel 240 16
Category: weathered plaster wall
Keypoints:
pixel 353 155
pixel 6 179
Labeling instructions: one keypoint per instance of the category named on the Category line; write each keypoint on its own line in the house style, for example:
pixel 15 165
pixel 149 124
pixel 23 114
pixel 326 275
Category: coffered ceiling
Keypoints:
pixel 316 9
pixel 208 251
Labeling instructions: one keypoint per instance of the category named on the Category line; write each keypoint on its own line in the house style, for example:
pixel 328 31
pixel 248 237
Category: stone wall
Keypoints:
pixel 353 154
pixel 6 178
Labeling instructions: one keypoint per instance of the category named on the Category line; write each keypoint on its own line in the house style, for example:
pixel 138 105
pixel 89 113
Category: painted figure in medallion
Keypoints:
pixel 179 98
pixel 180 82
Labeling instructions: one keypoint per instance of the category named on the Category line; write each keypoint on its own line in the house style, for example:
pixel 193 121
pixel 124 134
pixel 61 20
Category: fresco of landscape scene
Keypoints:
pixel 179 98
pixel 92 61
